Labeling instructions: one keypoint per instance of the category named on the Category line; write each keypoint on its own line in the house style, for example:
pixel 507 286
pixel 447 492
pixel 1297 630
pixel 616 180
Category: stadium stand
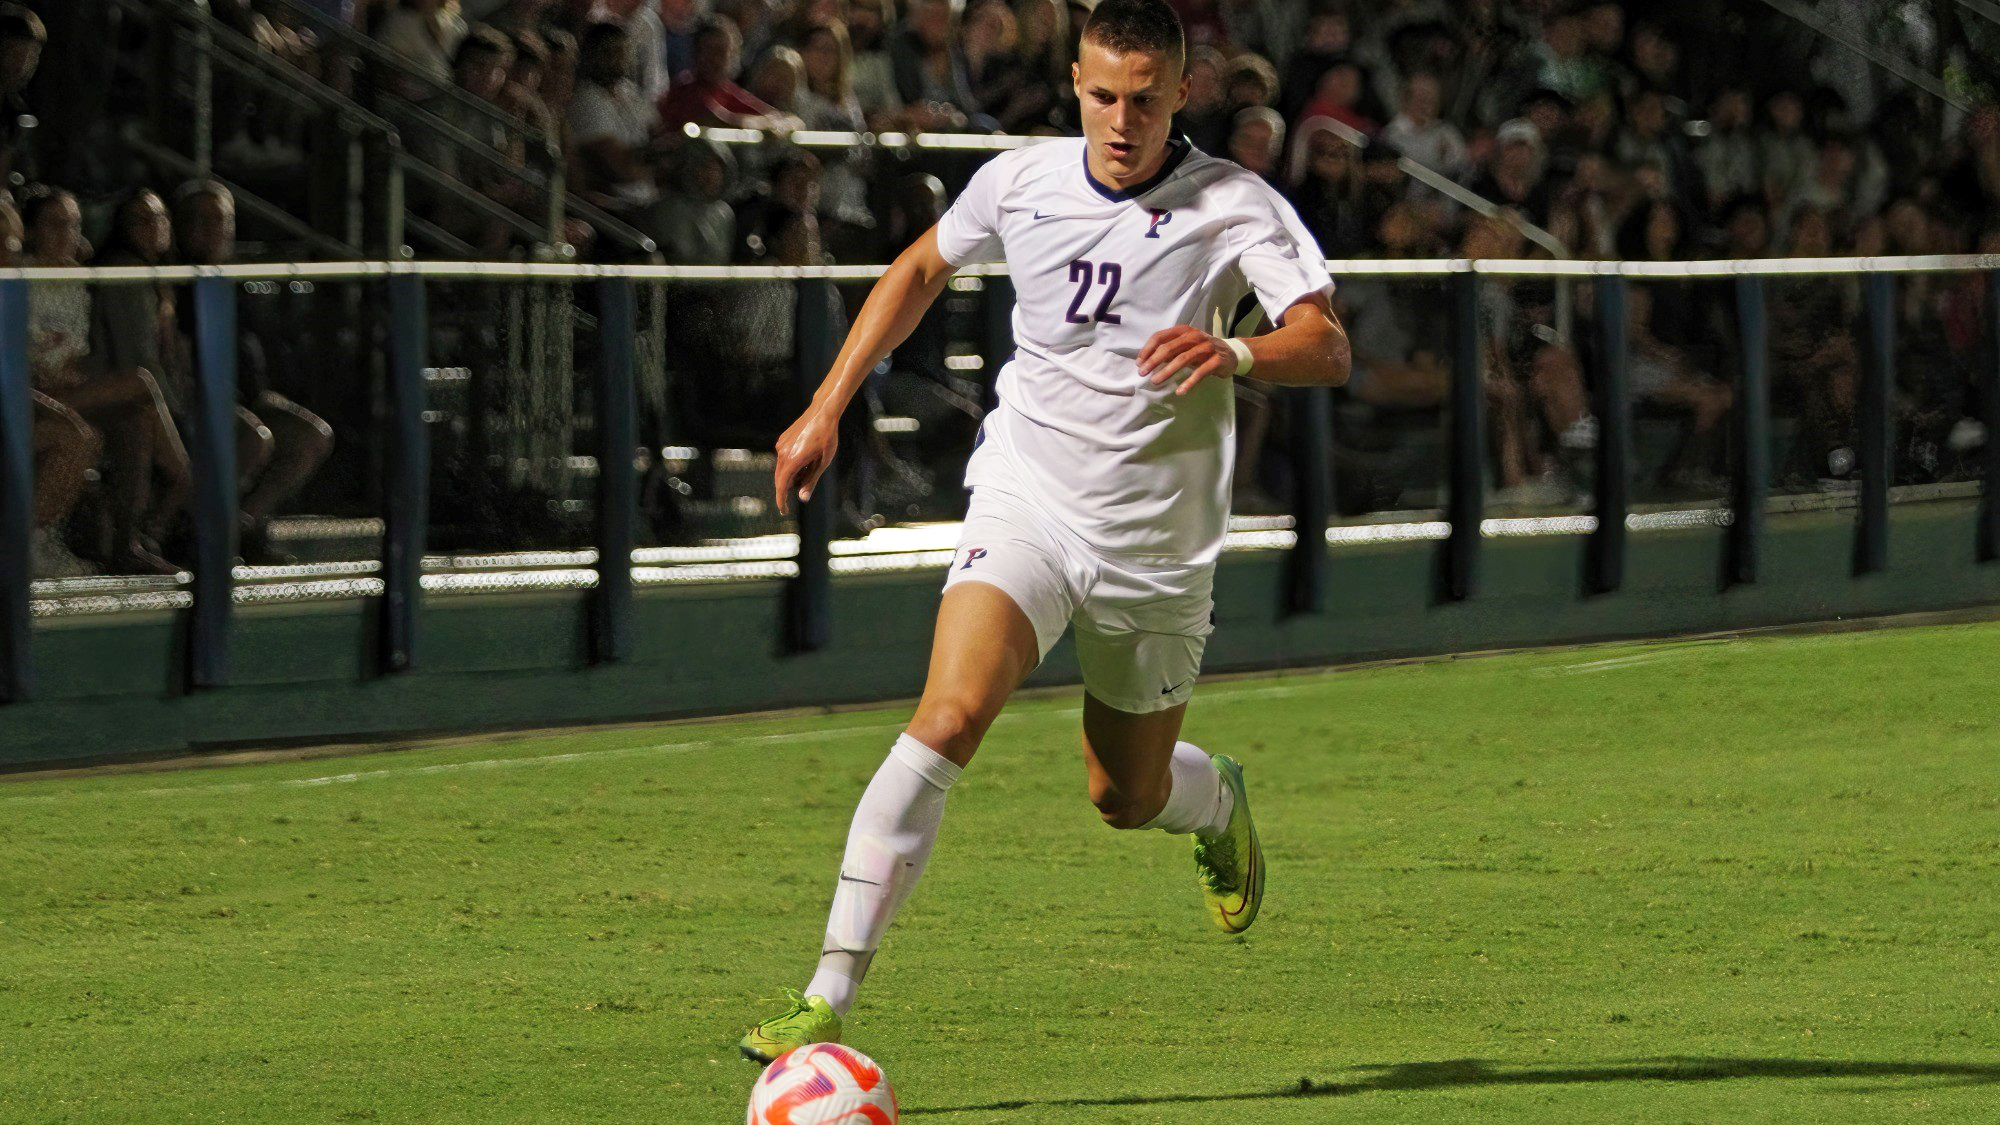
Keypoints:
pixel 610 130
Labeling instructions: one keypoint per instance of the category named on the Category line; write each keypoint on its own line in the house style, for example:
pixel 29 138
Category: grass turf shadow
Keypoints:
pixel 1477 1072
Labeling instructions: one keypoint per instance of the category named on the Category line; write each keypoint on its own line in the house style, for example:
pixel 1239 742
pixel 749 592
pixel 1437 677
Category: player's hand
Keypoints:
pixel 1184 348
pixel 804 452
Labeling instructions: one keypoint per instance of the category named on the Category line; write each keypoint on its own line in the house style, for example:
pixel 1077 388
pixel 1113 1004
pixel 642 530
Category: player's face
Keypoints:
pixel 1129 102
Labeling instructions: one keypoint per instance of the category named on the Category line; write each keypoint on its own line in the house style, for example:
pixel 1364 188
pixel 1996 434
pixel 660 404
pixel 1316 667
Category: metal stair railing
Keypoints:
pixel 550 177
pixel 215 45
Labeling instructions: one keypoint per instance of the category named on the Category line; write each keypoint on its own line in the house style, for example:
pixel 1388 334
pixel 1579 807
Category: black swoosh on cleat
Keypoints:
pixel 863 882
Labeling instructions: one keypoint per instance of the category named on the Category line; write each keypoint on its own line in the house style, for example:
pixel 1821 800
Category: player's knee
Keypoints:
pixel 1124 809
pixel 951 727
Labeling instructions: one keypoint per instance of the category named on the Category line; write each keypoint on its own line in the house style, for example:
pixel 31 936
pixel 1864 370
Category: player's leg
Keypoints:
pixel 985 644
pixel 1143 776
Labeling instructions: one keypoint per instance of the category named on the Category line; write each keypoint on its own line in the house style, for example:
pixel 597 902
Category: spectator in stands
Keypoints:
pixel 827 101
pixel 641 21
pixel 1270 28
pixel 22 37
pixel 426 33
pixel 1250 80
pixel 1423 136
pixel 281 443
pixel 930 68
pixel 485 59
pixel 1664 376
pixel 1565 62
pixel 1534 382
pixel 1516 177
pixel 522 95
pixel 679 19
pixel 1729 157
pixel 1971 182
pixel 611 128
pixel 1257 142
pixel 868 24
pixel 710 96
pixel 696 225
pixel 1325 179
pixel 756 24
pixel 65 448
pixel 1328 36
pixel 1788 154
pixel 1206 119
pixel 1043 56
pixel 125 405
pixel 1815 365
pixel 1338 97
pixel 1395 333
pixel 777 79
pixel 1002 88
pixel 1650 141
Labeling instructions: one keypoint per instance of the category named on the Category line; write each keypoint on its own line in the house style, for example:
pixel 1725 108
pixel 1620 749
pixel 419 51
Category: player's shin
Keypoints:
pixel 1198 802
pixel 890 841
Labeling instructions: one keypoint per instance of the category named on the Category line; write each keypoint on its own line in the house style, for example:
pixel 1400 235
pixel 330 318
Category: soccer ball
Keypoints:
pixel 822 1084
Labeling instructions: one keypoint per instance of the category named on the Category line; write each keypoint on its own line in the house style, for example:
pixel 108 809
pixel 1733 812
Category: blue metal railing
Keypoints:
pixel 807 618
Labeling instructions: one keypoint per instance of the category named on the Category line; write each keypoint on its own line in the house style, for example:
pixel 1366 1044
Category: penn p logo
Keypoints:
pixel 973 555
pixel 1160 219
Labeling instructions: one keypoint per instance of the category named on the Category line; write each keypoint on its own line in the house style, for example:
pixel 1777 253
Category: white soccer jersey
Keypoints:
pixel 1132 468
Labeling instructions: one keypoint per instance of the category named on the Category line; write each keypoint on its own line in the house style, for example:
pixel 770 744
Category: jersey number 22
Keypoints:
pixel 1108 275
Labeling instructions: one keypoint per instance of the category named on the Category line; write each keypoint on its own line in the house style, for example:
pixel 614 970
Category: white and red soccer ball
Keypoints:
pixel 822 1084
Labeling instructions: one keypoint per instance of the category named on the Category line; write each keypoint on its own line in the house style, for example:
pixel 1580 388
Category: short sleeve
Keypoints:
pixel 1279 257
pixel 970 229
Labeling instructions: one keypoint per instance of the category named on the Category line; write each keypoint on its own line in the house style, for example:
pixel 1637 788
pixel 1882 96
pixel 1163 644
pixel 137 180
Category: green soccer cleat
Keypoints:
pixel 1230 865
pixel 809 1020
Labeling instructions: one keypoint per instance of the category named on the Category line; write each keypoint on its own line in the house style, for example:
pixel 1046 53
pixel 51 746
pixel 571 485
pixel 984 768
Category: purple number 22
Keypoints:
pixel 1109 274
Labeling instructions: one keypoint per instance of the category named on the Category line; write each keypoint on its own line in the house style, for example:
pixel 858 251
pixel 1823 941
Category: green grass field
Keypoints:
pixel 1702 882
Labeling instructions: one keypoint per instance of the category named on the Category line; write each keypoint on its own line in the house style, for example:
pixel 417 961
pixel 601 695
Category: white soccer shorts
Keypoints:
pixel 1140 628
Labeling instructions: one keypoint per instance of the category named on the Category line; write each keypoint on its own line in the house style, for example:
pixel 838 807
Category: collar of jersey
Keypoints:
pixel 1177 150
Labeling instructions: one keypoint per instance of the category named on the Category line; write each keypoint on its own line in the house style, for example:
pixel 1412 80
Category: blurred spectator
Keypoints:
pixel 22 38
pixel 710 96
pixel 484 60
pixel 1002 88
pixel 1649 140
pixel 1663 376
pixel 696 225
pixel 1328 36
pixel 125 405
pixel 1788 154
pixel 868 26
pixel 1206 119
pixel 930 67
pixel 641 21
pixel 522 95
pixel 611 127
pixel 1257 142
pixel 1338 97
pixel 1326 185
pixel 1250 80
pixel 1729 157
pixel 1043 55
pixel 827 101
pixel 1815 364
pixel 1565 62
pixel 1395 333
pixel 281 443
pixel 679 19
pixel 65 449
pixel 1418 132
pixel 426 33
pixel 1515 178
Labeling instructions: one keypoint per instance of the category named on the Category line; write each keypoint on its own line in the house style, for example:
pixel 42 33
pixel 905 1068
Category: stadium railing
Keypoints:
pixel 614 565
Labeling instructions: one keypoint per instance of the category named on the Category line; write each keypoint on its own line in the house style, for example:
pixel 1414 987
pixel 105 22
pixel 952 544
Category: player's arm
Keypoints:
pixel 893 309
pixel 1308 349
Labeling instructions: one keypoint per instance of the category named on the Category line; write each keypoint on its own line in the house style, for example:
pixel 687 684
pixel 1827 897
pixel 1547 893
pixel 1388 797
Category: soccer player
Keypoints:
pixel 1100 484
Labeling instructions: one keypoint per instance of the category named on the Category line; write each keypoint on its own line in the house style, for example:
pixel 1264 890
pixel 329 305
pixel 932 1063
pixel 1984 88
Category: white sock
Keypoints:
pixel 1199 801
pixel 887 847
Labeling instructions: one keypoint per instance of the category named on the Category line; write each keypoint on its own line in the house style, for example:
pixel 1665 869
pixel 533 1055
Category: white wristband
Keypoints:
pixel 1242 351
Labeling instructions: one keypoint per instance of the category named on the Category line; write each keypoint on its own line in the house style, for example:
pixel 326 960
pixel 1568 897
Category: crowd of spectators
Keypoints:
pixel 1608 129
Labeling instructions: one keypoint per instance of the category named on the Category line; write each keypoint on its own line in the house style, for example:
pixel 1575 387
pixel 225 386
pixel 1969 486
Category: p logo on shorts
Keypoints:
pixel 973 555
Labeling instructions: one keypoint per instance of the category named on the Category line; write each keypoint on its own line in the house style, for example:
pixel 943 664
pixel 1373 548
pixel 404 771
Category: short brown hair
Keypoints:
pixel 1125 26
